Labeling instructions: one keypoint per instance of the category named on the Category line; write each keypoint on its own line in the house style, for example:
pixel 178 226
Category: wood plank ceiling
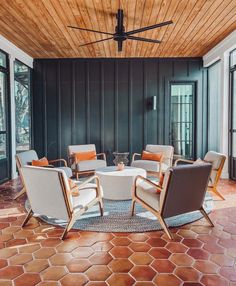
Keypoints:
pixel 39 27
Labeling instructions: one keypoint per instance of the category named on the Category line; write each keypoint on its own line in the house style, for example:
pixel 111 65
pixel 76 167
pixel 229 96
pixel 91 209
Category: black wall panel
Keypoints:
pixel 107 102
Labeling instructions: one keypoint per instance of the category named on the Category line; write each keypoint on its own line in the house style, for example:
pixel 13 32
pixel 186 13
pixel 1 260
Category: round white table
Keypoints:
pixel 117 185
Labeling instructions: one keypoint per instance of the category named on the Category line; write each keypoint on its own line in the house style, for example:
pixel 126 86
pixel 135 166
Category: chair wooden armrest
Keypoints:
pixel 83 185
pixel 148 181
pixel 184 161
pixel 59 160
pixel 103 155
pixel 134 155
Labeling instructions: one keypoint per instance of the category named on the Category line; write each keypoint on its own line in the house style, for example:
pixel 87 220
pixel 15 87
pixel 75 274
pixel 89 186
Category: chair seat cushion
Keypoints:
pixel 148 194
pixel 150 166
pixel 90 165
pixel 85 197
pixel 67 170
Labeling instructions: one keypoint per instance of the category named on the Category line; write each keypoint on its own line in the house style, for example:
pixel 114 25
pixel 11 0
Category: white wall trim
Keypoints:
pixel 14 53
pixel 221 52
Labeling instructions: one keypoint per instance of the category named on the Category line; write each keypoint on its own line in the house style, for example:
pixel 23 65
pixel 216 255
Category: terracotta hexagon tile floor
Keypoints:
pixel 198 256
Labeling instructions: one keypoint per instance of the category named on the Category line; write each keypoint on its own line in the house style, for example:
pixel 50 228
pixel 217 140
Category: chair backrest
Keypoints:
pixel 47 191
pixel 24 158
pixel 167 151
pixel 184 189
pixel 81 148
pixel 217 160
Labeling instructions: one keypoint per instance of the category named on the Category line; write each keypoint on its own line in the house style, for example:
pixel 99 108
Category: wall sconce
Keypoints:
pixel 154 102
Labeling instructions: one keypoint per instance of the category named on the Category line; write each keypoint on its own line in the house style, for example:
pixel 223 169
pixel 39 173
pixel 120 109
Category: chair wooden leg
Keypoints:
pixel 218 193
pixel 203 212
pixel 77 176
pixel 22 192
pixel 29 215
pixel 165 227
pixel 133 207
pixel 67 228
pixel 101 207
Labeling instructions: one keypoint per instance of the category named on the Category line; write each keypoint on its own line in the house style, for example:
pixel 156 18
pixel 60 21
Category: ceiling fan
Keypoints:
pixel 120 35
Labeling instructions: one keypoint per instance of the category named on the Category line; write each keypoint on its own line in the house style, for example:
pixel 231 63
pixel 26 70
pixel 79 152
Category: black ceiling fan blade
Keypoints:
pixel 89 30
pixel 149 27
pixel 102 40
pixel 143 39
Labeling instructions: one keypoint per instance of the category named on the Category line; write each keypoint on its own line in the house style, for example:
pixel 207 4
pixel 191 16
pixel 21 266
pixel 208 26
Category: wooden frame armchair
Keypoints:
pixel 154 167
pixel 24 158
pixel 183 191
pixel 49 194
pixel 85 167
pixel 217 160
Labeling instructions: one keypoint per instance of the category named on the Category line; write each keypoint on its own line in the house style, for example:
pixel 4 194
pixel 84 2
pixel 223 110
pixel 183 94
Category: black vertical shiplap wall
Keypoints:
pixel 105 101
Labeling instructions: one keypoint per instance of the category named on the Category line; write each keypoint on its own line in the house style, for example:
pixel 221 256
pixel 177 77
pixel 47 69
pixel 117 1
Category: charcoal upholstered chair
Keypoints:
pixel 217 160
pixel 183 191
pixel 25 158
pixel 154 167
pixel 49 194
pixel 85 166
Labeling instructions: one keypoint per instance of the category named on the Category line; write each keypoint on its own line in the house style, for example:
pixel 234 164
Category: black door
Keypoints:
pixel 181 127
pixel 232 123
pixel 4 119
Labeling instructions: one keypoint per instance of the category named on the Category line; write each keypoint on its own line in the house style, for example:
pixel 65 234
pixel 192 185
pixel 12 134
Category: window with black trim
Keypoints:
pixel 22 75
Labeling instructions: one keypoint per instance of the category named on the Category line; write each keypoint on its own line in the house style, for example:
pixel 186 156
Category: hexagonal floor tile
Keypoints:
pixel 36 265
pixel 78 265
pixel 143 273
pixel 11 272
pixel 44 253
pixel 181 259
pixel 160 253
pixel 120 265
pixel 187 274
pixel 82 252
pixel 163 266
pixel 101 257
pixel 54 273
pixel 29 279
pixel 120 280
pixel 120 241
pixel 98 273
pixel 60 259
pixel 120 252
pixel 140 247
pixel 138 237
pixel 213 280
pixel 167 280
pixel 156 242
pixel 74 279
pixel 141 258
pixel 206 267
pixel 20 259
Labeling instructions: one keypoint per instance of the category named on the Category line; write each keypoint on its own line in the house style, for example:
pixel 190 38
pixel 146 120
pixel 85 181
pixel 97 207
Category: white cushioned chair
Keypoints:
pixel 217 160
pixel 183 191
pixel 154 167
pixel 49 194
pixel 86 166
pixel 25 158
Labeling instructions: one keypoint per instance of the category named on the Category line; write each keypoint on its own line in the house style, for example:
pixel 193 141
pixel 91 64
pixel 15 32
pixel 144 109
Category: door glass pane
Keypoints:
pixel 22 103
pixel 181 132
pixel 3 60
pixel 2 146
pixel 234 102
pixel 2 102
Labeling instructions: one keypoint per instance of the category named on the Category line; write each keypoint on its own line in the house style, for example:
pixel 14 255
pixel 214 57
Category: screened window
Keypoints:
pixel 182 119
pixel 214 113
pixel 22 74
pixel 3 60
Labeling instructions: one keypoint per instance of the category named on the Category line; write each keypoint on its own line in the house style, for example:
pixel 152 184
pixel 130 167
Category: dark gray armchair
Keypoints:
pixel 183 191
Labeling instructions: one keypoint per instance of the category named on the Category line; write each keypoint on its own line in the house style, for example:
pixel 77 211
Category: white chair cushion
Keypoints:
pixel 148 165
pixel 214 158
pixel 85 197
pixel 148 194
pixel 81 148
pixel 67 170
pixel 90 165
pixel 166 150
pixel 27 157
